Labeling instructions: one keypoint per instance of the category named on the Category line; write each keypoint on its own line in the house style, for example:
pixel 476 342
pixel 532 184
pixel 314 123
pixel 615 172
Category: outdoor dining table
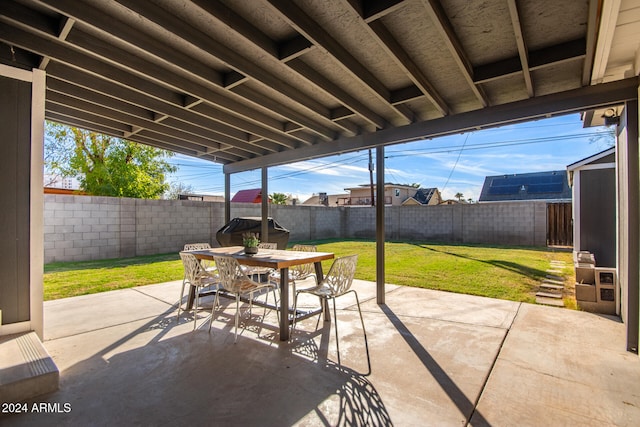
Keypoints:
pixel 275 259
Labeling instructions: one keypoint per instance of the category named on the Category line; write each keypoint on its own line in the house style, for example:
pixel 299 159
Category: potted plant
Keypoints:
pixel 250 242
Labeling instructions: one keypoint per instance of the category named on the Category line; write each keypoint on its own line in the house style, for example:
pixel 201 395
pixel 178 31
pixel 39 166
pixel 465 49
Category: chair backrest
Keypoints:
pixel 340 275
pixel 231 273
pixel 267 245
pixel 303 270
pixel 192 268
pixel 196 246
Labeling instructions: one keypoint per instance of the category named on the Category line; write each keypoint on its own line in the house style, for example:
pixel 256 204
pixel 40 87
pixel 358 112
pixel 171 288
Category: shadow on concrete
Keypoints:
pixel 464 405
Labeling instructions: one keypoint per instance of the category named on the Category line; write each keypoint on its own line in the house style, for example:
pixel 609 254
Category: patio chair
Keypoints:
pixel 336 283
pixel 195 275
pixel 258 272
pixel 235 280
pixel 208 265
pixel 298 272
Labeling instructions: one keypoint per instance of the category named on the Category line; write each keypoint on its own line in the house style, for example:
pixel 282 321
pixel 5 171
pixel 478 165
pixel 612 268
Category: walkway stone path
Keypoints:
pixel 552 286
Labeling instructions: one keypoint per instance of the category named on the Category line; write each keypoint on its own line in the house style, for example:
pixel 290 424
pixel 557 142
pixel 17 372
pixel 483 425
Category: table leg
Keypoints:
pixel 191 298
pixel 323 301
pixel 284 304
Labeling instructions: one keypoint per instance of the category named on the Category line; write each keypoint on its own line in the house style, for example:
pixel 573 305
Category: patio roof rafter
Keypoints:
pixel 311 30
pixel 522 46
pixel 198 114
pixel 321 123
pixel 451 41
pixel 289 53
pixel 87 120
pixel 144 118
pixel 104 55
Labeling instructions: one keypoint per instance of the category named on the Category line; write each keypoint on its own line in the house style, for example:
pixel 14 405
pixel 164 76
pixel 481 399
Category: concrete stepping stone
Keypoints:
pixel 550 301
pixel 549 294
pixel 552 286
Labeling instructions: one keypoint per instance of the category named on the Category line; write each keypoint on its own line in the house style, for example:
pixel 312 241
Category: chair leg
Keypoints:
pixel 195 307
pixel 237 312
pixel 180 300
pixel 213 308
pixel 275 303
pixel 364 331
pixel 293 324
pixel 335 323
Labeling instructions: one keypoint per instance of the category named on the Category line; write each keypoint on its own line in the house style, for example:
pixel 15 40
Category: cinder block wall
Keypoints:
pixel 85 227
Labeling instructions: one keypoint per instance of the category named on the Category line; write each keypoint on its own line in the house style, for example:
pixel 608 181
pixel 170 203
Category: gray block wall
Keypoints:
pixel 79 228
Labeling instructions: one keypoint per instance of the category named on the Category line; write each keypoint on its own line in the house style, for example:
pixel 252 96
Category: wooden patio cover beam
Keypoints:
pixel 575 100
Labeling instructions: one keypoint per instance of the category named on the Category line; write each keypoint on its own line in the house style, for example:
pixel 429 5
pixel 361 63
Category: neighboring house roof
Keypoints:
pixel 332 199
pixel 386 185
pixel 452 202
pixel 201 197
pixel 248 196
pixel 606 158
pixel 552 185
pixel 56 190
pixel 422 197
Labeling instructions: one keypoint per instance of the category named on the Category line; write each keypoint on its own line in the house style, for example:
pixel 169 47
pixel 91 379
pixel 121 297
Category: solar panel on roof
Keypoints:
pixel 504 189
pixel 546 188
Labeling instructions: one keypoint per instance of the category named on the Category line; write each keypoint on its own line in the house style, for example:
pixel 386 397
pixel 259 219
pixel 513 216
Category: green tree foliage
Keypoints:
pixel 279 198
pixel 459 196
pixel 104 165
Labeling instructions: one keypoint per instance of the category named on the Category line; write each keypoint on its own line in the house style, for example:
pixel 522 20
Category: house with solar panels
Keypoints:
pixel 551 186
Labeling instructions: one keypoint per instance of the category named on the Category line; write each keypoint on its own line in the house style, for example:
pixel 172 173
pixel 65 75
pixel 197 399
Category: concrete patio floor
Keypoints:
pixel 438 359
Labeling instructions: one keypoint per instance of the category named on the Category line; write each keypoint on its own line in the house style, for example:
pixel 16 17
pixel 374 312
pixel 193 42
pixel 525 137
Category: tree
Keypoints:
pixel 607 137
pixel 459 196
pixel 104 165
pixel 279 198
pixel 177 188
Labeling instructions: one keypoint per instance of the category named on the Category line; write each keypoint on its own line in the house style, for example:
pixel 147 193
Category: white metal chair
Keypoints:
pixel 235 280
pixel 268 245
pixel 258 272
pixel 196 276
pixel 298 272
pixel 336 283
pixel 208 265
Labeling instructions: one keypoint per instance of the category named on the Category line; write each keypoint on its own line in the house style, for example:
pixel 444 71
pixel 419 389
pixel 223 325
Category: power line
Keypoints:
pixel 486 145
pixel 405 153
pixel 342 162
pixel 456 163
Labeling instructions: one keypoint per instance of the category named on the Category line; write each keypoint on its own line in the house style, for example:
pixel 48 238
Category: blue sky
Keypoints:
pixel 453 164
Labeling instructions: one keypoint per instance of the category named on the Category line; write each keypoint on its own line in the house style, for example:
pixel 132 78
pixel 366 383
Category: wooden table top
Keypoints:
pixel 272 258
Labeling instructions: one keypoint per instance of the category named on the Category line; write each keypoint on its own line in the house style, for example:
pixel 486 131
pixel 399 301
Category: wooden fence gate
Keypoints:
pixel 559 225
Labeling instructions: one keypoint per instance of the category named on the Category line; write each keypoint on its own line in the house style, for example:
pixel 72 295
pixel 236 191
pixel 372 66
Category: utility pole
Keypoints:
pixel 373 203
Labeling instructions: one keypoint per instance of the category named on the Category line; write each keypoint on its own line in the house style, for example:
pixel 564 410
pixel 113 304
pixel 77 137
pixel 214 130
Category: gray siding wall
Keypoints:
pixel 15 172
pixel 86 227
pixel 598 215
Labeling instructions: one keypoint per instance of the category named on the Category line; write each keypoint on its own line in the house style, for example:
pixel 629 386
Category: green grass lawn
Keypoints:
pixel 511 273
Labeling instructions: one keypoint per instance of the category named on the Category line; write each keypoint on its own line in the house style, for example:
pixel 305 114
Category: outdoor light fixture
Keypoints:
pixel 611 117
